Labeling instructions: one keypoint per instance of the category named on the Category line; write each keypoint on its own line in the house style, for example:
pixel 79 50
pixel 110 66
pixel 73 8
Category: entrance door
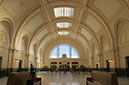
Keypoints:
pixel 97 66
pixel 127 61
pixel 0 62
pixel 20 65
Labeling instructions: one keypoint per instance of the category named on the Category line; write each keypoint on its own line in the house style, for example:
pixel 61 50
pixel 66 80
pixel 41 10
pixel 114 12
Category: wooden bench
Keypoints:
pixel 20 78
pixel 102 78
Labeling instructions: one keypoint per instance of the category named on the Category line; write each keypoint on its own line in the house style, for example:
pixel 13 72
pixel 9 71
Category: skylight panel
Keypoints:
pixel 63 12
pixel 63 33
pixel 64 25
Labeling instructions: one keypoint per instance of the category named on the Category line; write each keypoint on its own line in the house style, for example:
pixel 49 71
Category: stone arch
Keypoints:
pixel 8 25
pixel 6 29
pixel 93 55
pixel 26 40
pixel 102 38
pixel 121 27
pixel 53 43
pixel 124 36
pixel 119 24
pixel 33 54
pixel 106 45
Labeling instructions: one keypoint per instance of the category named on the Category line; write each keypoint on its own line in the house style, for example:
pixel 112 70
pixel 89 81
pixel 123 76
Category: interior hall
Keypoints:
pixel 64 42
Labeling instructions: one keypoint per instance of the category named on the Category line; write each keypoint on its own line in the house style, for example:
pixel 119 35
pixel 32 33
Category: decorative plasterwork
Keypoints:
pixel 33 37
pixel 103 23
pixel 107 7
pixel 34 23
pixel 86 34
pixel 45 6
pixel 15 7
pixel 77 1
pixel 82 41
pixel 3 38
pixel 64 3
pixel 51 44
pixel 93 23
pixel 92 34
pixel 42 34
pixel 45 41
pixel 21 27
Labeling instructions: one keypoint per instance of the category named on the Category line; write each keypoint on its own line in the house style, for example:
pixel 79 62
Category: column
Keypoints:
pixel 116 58
pixel 11 58
pixel 117 61
pixel 27 60
pixel 101 61
pixel 35 61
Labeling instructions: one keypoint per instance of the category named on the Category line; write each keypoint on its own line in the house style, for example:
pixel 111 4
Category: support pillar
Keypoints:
pixel 117 60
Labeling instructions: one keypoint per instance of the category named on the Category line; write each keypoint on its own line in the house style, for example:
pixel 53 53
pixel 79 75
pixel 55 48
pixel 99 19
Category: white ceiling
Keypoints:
pixel 108 7
pixel 42 34
pixel 93 23
pixel 34 23
pixel 86 34
pixel 18 8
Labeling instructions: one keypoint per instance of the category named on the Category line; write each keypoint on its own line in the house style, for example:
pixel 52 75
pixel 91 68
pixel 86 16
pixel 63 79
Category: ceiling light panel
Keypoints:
pixel 63 33
pixel 63 12
pixel 64 25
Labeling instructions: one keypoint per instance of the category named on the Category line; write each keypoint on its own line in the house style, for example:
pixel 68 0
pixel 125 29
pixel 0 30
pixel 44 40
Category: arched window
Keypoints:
pixel 61 49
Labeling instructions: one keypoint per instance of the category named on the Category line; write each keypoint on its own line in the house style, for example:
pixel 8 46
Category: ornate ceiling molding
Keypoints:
pixel 103 23
pixel 21 27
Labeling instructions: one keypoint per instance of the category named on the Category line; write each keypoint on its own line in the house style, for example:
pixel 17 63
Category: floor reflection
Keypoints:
pixel 49 78
pixel 62 78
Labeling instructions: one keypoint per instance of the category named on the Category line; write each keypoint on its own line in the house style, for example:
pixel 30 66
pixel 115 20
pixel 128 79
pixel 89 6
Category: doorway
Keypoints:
pixel 127 63
pixel 0 62
pixel 20 66
pixel 97 66
pixel 108 65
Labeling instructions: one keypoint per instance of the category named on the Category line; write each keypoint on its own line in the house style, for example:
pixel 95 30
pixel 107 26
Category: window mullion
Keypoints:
pixel 58 55
pixel 70 52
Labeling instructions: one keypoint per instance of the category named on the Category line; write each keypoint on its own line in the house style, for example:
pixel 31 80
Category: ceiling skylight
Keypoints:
pixel 63 33
pixel 63 12
pixel 64 25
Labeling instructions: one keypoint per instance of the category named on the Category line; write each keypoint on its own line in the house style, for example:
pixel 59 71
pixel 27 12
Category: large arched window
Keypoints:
pixel 61 49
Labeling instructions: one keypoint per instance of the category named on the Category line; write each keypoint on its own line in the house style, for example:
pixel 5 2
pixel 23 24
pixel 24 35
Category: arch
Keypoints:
pixel 23 23
pixel 121 25
pixel 26 40
pixel 51 44
pixel 8 25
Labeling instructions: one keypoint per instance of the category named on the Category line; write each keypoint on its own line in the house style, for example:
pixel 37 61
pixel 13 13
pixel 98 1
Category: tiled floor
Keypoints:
pixel 65 79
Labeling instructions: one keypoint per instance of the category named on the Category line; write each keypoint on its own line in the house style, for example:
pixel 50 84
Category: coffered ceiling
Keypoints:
pixel 45 20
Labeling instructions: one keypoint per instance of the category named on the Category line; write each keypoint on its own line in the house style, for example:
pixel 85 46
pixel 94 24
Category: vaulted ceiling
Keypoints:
pixel 44 20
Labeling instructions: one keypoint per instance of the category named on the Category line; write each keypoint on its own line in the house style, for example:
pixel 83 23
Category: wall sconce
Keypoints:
pixel 98 62
pixel 110 60
pixel 17 60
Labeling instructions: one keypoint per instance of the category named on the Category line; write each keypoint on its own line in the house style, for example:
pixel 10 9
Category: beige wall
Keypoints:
pixel 111 40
